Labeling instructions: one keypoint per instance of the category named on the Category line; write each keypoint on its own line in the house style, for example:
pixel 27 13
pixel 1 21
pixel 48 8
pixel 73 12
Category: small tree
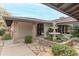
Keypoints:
pixel 75 31
pixel 49 30
pixel 49 37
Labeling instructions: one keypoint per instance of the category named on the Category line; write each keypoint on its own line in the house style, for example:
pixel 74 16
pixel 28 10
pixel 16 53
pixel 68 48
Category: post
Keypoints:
pixel 14 32
pixel 54 30
pixel 45 30
pixel 34 31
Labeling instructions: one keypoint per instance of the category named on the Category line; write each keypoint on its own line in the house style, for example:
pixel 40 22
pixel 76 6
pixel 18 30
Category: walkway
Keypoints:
pixel 16 50
pixel 21 49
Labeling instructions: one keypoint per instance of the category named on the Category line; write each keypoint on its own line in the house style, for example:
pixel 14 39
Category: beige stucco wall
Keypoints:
pixel 20 30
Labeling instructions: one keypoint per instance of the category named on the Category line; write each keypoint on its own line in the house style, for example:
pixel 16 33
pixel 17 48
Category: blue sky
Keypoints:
pixel 39 11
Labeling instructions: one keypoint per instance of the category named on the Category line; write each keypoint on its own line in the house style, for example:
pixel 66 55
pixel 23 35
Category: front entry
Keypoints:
pixel 40 29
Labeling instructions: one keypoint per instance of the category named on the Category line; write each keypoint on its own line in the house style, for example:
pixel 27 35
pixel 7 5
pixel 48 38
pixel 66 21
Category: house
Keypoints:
pixel 65 23
pixel 22 26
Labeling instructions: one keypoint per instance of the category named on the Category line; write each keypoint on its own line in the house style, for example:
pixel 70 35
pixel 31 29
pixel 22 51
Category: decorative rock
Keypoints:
pixel 44 54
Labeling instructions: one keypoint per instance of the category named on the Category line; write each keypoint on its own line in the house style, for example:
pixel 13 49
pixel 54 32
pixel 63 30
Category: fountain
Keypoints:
pixel 54 33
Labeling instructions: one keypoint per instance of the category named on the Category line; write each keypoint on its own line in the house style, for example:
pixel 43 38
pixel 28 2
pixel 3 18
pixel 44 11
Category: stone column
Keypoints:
pixel 34 30
pixel 14 32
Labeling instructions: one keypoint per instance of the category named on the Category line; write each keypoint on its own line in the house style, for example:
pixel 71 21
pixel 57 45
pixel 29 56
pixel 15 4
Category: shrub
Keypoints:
pixel 49 30
pixel 6 37
pixel 28 39
pixel 63 50
pixel 2 31
pixel 49 37
pixel 60 38
pixel 75 32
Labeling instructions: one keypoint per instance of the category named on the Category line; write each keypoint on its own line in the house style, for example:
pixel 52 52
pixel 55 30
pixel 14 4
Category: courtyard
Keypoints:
pixel 36 48
pixel 37 36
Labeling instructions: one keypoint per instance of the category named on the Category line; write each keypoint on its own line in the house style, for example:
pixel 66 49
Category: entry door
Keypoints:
pixel 40 29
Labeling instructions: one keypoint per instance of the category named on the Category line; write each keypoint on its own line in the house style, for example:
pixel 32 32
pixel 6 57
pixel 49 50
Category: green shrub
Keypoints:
pixel 2 31
pixel 49 30
pixel 6 37
pixel 63 50
pixel 28 39
pixel 60 38
pixel 75 32
pixel 49 37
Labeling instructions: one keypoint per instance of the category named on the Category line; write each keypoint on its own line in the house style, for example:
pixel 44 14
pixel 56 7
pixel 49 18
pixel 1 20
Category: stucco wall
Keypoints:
pixel 20 30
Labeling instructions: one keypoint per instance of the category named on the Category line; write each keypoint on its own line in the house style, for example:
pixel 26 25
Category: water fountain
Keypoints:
pixel 54 33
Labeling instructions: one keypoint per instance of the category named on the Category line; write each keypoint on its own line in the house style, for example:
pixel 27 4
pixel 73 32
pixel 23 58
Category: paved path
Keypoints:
pixel 0 49
pixel 16 50
pixel 1 46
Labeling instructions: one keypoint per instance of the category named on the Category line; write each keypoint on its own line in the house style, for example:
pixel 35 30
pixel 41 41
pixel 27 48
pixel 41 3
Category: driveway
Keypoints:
pixel 16 50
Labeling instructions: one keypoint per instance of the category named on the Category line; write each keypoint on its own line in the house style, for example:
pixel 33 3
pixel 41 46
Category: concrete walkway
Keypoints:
pixel 1 46
pixel 16 50
pixel 7 48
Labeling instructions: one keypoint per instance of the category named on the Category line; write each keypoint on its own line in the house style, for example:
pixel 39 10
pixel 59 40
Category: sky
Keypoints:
pixel 33 10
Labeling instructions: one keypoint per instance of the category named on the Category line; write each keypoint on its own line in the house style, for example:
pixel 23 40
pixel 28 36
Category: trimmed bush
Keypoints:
pixel 2 31
pixel 60 38
pixel 75 31
pixel 6 37
pixel 63 50
pixel 28 39
pixel 49 37
pixel 49 30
